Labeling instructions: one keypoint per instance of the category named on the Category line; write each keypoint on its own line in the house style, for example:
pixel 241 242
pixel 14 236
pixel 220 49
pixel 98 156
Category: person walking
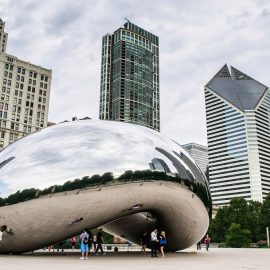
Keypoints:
pixel 99 242
pixel 73 241
pixel 199 245
pixel 144 240
pixel 154 243
pixel 207 242
pixel 84 237
pixel 162 242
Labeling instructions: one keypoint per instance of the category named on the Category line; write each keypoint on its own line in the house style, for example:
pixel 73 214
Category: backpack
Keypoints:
pixel 85 240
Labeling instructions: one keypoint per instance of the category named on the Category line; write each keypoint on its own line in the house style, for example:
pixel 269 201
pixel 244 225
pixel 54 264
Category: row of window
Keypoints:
pixel 22 71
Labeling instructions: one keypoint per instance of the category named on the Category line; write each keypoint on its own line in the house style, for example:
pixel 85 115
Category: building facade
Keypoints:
pixel 129 89
pixel 199 154
pixel 238 131
pixel 24 98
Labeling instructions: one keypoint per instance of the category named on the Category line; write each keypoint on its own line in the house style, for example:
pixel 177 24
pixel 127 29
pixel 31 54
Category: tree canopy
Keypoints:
pixel 252 217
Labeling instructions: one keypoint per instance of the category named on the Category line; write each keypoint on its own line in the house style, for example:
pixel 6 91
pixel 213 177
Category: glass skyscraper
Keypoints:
pixel 238 131
pixel 129 89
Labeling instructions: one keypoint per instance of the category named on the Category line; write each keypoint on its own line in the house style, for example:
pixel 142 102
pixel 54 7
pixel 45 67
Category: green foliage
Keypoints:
pixel 252 216
pixel 236 237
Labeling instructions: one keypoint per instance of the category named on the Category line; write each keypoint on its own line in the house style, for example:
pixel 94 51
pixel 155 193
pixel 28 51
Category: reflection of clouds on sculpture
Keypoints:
pixel 82 148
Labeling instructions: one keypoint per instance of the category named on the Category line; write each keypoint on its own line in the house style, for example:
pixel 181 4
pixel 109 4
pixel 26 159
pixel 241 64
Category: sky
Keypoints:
pixel 196 39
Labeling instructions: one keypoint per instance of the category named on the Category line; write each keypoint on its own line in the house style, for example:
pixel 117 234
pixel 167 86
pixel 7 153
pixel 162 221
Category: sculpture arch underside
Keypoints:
pixel 125 210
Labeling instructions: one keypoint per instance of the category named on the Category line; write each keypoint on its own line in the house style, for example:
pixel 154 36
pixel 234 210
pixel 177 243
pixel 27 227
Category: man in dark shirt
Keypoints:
pixel 99 242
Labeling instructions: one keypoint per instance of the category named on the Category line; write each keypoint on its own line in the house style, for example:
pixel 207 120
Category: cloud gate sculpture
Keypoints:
pixel 85 174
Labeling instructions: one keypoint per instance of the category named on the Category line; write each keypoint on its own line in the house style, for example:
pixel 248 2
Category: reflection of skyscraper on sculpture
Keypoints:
pixel 238 131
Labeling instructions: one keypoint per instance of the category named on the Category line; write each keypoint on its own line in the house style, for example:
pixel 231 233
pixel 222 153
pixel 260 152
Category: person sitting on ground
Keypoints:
pixel 84 237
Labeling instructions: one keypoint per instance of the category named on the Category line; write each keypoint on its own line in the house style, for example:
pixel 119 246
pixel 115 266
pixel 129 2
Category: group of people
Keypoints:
pixel 207 241
pixel 87 239
pixel 157 242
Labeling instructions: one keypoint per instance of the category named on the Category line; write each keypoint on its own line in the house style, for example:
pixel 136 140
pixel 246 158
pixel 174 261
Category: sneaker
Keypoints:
pixel 82 258
pixel 86 258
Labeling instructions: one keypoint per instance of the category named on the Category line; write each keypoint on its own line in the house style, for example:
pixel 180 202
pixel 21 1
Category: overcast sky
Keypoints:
pixel 196 39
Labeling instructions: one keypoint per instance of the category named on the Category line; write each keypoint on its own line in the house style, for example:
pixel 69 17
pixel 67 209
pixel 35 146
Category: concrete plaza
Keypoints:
pixel 216 258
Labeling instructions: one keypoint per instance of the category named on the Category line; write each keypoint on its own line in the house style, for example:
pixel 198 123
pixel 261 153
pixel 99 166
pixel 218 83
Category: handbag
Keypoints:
pixel 163 242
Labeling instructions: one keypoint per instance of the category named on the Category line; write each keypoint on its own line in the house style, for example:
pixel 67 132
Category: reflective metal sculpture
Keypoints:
pixel 84 174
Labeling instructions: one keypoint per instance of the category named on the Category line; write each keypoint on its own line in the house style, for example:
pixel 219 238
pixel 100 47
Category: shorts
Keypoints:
pixel 84 247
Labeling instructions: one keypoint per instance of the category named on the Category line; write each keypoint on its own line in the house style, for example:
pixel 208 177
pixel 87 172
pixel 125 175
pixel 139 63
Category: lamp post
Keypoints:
pixel 267 235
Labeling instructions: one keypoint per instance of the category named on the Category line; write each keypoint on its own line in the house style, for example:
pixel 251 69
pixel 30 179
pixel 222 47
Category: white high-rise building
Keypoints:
pixel 238 131
pixel 199 154
pixel 24 96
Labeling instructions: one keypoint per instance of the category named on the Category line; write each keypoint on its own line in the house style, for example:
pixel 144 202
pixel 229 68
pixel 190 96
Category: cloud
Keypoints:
pixel 196 39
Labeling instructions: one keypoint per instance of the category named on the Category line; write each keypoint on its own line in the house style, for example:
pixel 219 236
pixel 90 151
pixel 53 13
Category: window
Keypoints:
pixel 30 74
pixel 19 70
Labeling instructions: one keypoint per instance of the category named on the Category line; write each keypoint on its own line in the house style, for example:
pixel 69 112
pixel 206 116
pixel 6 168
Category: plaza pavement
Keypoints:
pixel 190 259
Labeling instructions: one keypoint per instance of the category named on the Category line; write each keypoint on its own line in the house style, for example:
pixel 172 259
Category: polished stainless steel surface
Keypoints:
pixel 76 149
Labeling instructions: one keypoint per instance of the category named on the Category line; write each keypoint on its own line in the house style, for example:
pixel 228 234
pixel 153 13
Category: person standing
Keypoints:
pixel 144 240
pixel 95 241
pixel 84 237
pixel 90 242
pixel 207 242
pixel 154 243
pixel 73 241
pixel 99 242
pixel 199 245
pixel 162 242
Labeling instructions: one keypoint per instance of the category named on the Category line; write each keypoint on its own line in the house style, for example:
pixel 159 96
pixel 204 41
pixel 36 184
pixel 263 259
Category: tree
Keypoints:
pixel 236 237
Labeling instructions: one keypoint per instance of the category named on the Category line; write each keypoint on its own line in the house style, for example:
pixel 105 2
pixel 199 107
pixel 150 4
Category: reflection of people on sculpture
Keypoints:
pixel 144 241
pixel 77 220
pixel 3 229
